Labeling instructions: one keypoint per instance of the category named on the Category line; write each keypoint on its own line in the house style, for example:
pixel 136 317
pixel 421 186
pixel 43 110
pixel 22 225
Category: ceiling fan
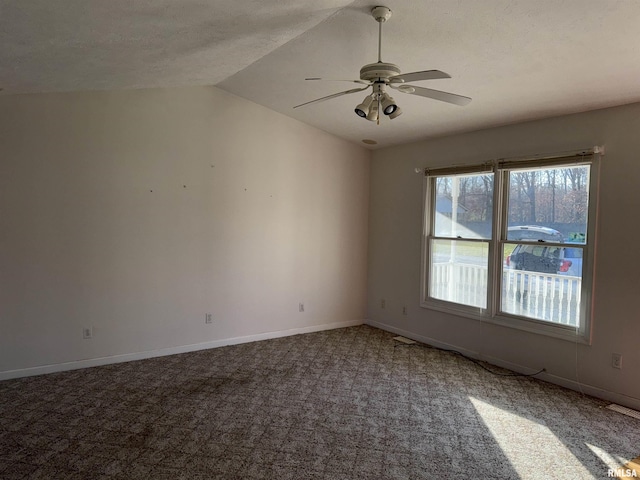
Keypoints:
pixel 381 75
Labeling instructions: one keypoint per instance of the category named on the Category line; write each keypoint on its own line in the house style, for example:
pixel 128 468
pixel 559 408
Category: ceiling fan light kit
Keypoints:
pixel 397 112
pixel 372 116
pixel 381 74
pixel 362 110
pixel 388 104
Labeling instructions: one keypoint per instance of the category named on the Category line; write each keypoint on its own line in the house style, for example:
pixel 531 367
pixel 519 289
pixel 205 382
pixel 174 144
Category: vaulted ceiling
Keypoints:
pixel 518 59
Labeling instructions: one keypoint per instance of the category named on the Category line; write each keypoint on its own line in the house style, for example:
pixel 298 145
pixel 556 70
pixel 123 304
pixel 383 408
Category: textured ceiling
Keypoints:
pixel 517 59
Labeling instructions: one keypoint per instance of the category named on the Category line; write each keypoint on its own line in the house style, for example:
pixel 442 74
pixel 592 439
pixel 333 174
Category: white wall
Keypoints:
pixel 136 212
pixel 395 225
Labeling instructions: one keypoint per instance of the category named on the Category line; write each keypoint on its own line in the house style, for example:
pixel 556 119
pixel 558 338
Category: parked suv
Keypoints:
pixel 542 258
pixel 536 260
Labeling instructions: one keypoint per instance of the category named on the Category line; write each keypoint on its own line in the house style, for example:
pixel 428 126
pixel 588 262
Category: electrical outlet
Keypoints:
pixel 208 318
pixel 383 304
pixel 301 307
pixel 616 360
pixel 404 310
pixel 87 332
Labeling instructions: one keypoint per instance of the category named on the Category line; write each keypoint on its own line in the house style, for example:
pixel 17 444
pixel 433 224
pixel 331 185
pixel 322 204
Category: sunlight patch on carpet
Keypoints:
pixel 613 462
pixel 526 457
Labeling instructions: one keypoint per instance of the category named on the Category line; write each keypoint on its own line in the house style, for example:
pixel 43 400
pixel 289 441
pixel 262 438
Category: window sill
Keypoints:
pixel 563 332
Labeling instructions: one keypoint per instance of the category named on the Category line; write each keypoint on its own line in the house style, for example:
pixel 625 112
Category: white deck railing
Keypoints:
pixel 555 298
pixel 460 283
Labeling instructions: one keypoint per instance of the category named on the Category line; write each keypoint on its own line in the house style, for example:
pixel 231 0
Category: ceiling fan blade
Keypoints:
pixel 338 80
pixel 435 94
pixel 329 97
pixel 416 76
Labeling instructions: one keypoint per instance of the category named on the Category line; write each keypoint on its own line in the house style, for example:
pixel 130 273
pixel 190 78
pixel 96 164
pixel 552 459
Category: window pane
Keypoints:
pixel 464 206
pixel 458 272
pixel 549 204
pixel 542 282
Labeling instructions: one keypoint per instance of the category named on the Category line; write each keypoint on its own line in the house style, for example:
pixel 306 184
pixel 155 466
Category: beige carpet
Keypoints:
pixel 342 404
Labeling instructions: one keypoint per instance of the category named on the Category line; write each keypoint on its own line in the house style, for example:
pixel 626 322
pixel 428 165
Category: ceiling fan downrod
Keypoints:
pixel 381 14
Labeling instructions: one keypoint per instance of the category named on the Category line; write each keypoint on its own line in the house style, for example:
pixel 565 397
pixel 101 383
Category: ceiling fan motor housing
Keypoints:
pixel 381 14
pixel 380 70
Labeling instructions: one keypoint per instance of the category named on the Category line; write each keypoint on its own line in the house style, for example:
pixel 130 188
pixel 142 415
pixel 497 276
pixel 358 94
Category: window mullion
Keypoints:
pixel 496 247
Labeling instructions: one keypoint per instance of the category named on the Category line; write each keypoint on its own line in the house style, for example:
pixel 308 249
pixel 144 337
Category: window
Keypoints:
pixel 512 242
pixel 459 247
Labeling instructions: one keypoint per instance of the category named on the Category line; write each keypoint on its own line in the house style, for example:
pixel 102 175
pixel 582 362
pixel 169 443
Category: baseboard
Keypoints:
pixel 421 338
pixel 129 357
pixel 591 390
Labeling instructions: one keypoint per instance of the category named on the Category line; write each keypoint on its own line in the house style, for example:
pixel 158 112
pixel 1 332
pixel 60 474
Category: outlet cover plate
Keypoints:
pixel 616 360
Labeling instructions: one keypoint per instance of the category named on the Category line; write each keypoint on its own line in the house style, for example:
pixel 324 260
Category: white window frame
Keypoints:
pixel 493 313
